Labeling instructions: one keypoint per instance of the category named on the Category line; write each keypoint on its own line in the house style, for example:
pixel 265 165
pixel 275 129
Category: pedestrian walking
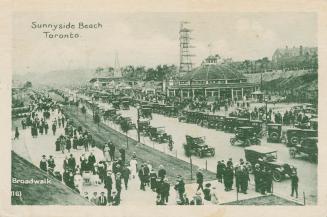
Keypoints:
pixel 199 180
pixel 43 164
pixel 126 174
pixel 16 134
pixel 294 184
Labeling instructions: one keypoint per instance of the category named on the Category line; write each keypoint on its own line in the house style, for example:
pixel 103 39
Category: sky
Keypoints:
pixel 150 39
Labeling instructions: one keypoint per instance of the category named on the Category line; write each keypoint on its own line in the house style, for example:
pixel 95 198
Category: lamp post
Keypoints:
pixel 138 123
pixel 266 102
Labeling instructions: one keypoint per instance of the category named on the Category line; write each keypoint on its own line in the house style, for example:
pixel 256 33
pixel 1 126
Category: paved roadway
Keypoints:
pixel 307 171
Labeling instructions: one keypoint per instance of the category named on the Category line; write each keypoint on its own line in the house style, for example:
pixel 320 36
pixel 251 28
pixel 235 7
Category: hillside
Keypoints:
pixel 55 193
pixel 296 86
pixel 74 77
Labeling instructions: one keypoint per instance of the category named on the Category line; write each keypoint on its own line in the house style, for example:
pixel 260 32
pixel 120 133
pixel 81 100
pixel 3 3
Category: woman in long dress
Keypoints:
pixel 106 154
pixel 133 166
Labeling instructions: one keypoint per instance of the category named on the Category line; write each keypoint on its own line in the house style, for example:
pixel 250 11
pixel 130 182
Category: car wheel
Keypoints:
pixel 250 169
pixel 277 175
pixel 232 141
pixel 274 136
pixel 294 140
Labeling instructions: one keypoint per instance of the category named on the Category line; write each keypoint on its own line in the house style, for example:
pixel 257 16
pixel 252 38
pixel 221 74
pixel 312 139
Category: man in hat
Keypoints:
pixel 71 162
pixel 125 174
pixel 294 183
pixel 43 164
pixel 165 190
pixel 108 185
pixel 102 199
pixel 199 180
pixel 141 174
pixel 180 188
pixel 51 162
pixel 207 192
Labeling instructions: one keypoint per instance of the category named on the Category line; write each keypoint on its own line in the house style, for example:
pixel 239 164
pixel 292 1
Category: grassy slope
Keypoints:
pixel 264 200
pixel 144 153
pixel 55 193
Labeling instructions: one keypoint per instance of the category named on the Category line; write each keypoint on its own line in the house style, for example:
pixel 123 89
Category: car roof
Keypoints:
pixel 245 128
pixel 260 149
pixel 274 124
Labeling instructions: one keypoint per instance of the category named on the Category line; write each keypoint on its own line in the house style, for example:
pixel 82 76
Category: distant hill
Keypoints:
pixel 55 193
pixel 74 77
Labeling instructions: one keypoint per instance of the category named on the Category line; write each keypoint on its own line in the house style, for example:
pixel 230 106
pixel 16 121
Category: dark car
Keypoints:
pixel 308 146
pixel 267 157
pixel 125 105
pixel 116 105
pixel 230 124
pixel 274 132
pixel 314 124
pixel 257 126
pixel 294 136
pixel 245 136
pixel 158 134
pixel 146 112
pixel 197 146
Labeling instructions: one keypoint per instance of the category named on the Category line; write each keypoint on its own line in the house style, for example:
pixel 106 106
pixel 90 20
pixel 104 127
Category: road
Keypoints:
pixel 307 171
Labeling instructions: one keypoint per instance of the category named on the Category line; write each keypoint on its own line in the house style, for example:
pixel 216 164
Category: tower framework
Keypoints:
pixel 185 64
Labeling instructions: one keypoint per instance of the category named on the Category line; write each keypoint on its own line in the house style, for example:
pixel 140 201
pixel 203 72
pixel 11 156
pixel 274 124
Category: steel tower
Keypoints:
pixel 185 64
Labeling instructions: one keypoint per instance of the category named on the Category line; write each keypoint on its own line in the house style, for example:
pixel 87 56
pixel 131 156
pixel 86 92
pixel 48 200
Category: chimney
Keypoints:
pixel 301 50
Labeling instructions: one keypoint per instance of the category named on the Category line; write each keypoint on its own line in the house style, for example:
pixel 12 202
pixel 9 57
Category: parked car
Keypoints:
pixel 294 136
pixel 245 136
pixel 267 157
pixel 230 124
pixel 158 134
pixel 308 146
pixel 274 132
pixel 197 146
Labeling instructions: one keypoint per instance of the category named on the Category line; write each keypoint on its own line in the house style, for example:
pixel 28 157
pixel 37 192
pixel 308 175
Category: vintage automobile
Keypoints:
pixel 197 146
pixel 294 136
pixel 109 114
pixel 143 126
pixel 267 157
pixel 182 116
pixel 129 121
pixel 242 122
pixel 158 134
pixel 258 127
pixel 20 112
pixel 116 105
pixel 245 136
pixel 274 132
pixel 146 112
pixel 170 111
pixel 314 124
pixel 230 124
pixel 308 146
pixel 125 105
pixel 220 120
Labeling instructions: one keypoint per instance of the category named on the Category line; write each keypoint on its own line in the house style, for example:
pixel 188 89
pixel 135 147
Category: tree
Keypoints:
pixel 83 109
pixel 125 127
pixel 96 119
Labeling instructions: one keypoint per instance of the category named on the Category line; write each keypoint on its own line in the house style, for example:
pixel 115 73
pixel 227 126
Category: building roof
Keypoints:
pixel 212 72
pixel 104 79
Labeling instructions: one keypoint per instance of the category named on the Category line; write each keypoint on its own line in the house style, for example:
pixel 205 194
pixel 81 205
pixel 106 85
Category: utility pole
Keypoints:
pixel 138 123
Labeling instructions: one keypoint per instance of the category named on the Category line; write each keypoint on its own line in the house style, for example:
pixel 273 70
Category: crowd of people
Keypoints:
pixel 114 172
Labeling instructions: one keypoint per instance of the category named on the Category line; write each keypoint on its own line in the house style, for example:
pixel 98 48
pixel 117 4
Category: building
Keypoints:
pixel 299 57
pixel 212 80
